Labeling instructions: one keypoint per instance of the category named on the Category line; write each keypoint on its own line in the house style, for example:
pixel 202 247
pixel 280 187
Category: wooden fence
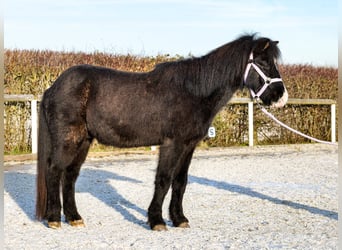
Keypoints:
pixel 34 113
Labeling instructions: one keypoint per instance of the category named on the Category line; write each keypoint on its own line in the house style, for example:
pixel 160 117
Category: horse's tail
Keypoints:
pixel 44 151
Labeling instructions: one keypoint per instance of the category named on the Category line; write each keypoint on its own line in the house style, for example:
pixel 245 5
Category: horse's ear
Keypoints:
pixel 261 45
pixel 268 44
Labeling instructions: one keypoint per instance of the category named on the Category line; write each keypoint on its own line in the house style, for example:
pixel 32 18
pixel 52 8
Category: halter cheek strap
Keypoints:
pixel 268 81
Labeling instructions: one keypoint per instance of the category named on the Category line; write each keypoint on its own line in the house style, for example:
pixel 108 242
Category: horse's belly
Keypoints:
pixel 126 134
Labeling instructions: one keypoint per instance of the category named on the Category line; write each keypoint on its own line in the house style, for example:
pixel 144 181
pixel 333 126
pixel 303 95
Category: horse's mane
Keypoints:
pixel 224 65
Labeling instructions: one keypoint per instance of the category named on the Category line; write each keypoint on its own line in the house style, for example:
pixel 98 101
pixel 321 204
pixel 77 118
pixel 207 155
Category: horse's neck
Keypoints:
pixel 221 84
pixel 202 78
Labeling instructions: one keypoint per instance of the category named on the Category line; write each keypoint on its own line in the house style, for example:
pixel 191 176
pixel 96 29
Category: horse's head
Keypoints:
pixel 262 76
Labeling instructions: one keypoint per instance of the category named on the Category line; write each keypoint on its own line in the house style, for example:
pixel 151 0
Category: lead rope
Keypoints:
pixel 291 129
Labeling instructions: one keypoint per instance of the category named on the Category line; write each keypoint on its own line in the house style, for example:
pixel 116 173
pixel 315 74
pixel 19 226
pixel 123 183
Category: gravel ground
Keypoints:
pixel 274 197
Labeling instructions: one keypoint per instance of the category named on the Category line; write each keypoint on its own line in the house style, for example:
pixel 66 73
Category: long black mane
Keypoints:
pixel 222 67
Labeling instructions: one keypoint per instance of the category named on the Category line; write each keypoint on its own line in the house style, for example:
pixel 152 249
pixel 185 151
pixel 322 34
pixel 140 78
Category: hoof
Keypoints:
pixel 184 225
pixel 77 223
pixel 54 224
pixel 159 228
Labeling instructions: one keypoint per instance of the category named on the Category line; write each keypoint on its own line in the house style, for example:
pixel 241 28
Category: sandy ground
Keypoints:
pixel 274 197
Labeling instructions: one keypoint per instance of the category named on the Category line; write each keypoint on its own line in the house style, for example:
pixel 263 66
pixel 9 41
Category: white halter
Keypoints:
pixel 268 81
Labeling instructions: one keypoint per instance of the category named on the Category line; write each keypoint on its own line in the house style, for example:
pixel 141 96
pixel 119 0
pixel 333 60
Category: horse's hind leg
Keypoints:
pixel 58 162
pixel 53 209
pixel 69 148
pixel 178 188
pixel 69 178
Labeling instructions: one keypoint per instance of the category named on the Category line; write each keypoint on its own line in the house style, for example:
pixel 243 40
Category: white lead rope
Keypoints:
pixel 291 129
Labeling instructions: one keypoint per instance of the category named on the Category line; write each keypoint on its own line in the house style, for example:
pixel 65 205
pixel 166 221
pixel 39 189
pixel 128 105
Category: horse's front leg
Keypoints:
pixel 178 188
pixel 168 158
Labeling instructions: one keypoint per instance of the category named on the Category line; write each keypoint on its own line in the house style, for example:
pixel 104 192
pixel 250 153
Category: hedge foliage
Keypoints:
pixel 33 71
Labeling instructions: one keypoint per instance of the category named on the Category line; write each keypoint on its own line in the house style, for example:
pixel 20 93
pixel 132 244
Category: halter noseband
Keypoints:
pixel 268 81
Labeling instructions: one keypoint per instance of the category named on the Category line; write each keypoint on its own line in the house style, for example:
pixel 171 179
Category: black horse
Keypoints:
pixel 171 106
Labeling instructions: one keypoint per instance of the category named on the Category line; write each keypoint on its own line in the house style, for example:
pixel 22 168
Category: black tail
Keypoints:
pixel 44 150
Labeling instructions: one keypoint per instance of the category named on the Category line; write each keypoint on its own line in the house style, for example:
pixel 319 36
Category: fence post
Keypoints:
pixel 250 124
pixel 333 122
pixel 34 127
